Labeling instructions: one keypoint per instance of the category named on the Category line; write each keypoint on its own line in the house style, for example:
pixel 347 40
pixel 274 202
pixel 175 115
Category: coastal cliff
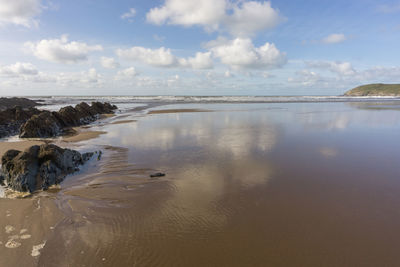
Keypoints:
pixel 378 89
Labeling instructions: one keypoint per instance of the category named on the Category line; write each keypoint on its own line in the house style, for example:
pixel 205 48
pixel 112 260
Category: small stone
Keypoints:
pixel 157 174
pixel 36 249
pixel 12 244
pixel 25 236
pixel 9 229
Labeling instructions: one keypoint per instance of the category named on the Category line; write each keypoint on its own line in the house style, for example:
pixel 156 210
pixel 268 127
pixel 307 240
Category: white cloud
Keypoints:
pixel 381 72
pixel 109 63
pixel 26 72
pixel 240 19
pixel 306 78
pixel 251 17
pixel 91 76
pixel 18 69
pixel 19 12
pixel 206 13
pixel 61 51
pixel 200 61
pixel 127 73
pixel 173 80
pixel 334 38
pixel 228 74
pixel 340 68
pixel 163 57
pixel 87 78
pixel 129 15
pixel 345 75
pixel 267 75
pixel 160 57
pixel 241 53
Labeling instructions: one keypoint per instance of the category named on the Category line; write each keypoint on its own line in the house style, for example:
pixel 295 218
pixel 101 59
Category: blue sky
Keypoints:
pixel 192 47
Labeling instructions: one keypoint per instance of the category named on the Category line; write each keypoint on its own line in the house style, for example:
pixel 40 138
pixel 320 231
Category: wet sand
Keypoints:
pixel 166 111
pixel 106 116
pixel 123 121
pixel 19 145
pixel 81 135
pixel 25 227
pixel 297 185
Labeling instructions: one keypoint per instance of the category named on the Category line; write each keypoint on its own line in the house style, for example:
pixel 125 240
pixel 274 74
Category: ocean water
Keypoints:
pixel 61 100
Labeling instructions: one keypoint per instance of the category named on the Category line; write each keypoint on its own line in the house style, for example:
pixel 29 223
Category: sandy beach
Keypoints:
pixel 18 145
pixel 245 185
pixel 199 133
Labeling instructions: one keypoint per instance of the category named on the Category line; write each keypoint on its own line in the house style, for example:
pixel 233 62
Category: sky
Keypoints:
pixel 197 47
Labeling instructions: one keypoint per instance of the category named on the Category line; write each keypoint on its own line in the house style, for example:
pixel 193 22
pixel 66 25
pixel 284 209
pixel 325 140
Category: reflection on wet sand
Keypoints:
pixel 273 187
pixel 182 110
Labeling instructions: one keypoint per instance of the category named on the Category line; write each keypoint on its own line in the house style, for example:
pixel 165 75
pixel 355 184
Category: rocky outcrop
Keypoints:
pixel 44 124
pixel 49 124
pixel 11 119
pixel 39 167
pixel 9 102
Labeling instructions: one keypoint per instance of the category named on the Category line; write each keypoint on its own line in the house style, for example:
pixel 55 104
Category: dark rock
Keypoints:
pixel 9 155
pixel 69 116
pixel 20 172
pixel 101 108
pixel 87 156
pixel 157 174
pixel 50 174
pixel 99 155
pixel 42 125
pixel 11 119
pixel 49 124
pixel 85 110
pixel 9 102
pixel 39 167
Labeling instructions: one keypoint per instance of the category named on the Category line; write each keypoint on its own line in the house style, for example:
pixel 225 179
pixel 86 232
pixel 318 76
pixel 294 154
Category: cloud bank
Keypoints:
pixel 243 18
pixel 20 12
pixel 61 50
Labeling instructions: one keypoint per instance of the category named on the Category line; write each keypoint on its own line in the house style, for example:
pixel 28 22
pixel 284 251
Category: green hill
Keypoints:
pixel 378 89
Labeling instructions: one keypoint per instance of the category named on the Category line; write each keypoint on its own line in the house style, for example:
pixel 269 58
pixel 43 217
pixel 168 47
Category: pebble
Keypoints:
pixel 9 228
pixel 157 174
pixel 25 236
pixel 36 249
pixel 12 244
